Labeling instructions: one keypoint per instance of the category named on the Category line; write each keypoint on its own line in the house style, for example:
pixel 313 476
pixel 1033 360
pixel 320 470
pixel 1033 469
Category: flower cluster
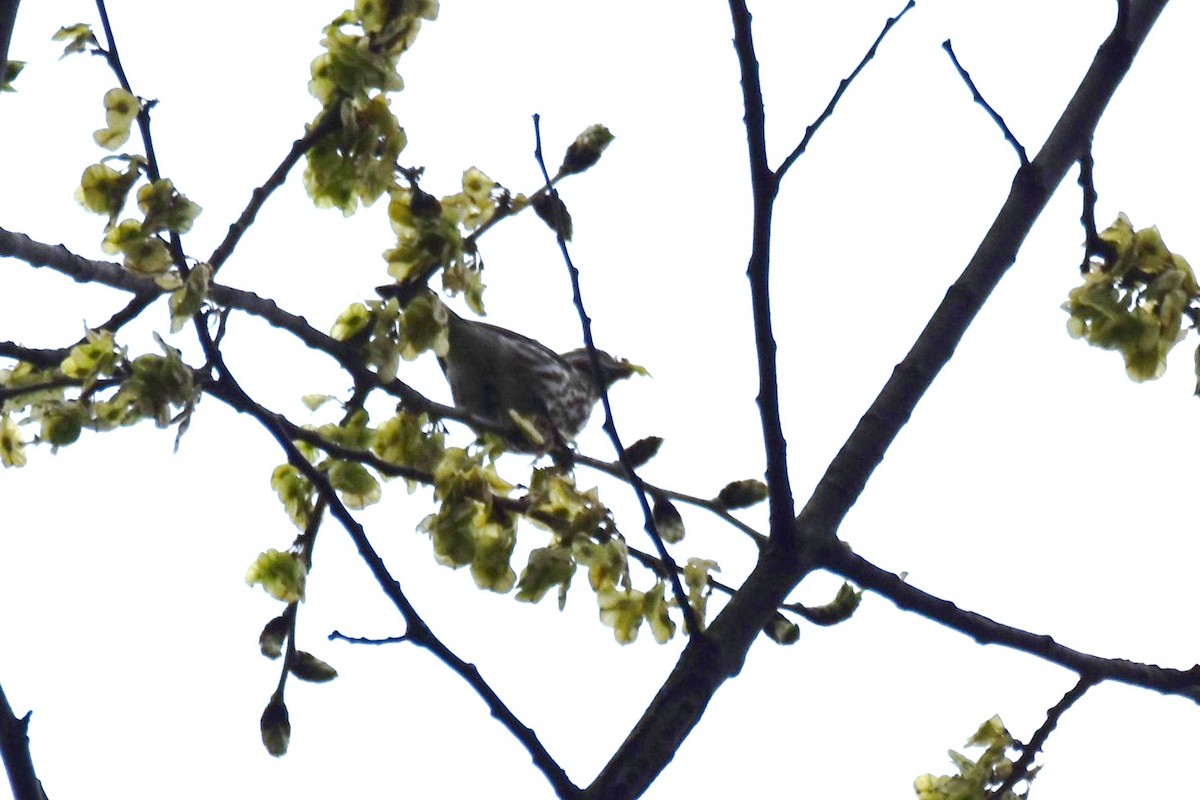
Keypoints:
pixel 1133 299
pixel 976 780
pixel 355 162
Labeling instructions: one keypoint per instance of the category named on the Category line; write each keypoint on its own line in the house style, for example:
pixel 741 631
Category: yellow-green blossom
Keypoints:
pixel 281 574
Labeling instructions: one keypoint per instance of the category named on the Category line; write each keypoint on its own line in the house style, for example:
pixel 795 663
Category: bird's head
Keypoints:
pixel 611 369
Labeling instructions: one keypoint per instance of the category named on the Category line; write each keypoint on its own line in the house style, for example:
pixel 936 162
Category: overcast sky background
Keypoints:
pixel 1035 483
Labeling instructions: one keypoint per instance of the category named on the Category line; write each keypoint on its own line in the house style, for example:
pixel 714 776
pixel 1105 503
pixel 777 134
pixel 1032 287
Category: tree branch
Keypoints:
pixel 849 565
pixel 14 750
pixel 1032 187
pixel 671 572
pixel 8 21
pixel 418 632
pixel 764 186
pixel 259 196
pixel 1022 768
pixel 678 705
pixel 616 471
pixel 811 130
pixel 1022 156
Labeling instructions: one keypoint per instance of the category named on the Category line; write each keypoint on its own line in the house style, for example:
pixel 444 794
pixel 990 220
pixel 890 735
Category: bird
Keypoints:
pixel 493 371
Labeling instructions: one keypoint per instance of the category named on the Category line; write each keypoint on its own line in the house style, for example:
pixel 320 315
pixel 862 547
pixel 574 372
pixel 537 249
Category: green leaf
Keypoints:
pixel 12 446
pixel 548 567
pixel 79 37
pixel 281 574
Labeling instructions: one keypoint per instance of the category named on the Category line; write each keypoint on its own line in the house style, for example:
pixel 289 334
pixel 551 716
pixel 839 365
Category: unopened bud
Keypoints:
pixel 742 494
pixel 308 667
pixel 643 450
pixel 275 727
pixel 273 635
pixel 553 211
pixel 782 630
pixel 585 150
pixel 667 521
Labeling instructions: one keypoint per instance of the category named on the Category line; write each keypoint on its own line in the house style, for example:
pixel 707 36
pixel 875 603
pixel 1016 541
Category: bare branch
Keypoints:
pixel 14 749
pixel 1021 769
pixel 1185 683
pixel 764 185
pixel 811 130
pixel 259 196
pixel 995 115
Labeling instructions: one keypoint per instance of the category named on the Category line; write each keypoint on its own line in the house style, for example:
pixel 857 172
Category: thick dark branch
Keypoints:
pixel 8 20
pixel 706 663
pixel 847 475
pixel 113 275
pixel 678 706
pixel 83 270
pixel 39 357
pixel 811 130
pixel 764 186
pixel 14 749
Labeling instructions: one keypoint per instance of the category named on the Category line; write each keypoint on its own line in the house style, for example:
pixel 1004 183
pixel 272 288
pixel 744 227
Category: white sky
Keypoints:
pixel 1035 483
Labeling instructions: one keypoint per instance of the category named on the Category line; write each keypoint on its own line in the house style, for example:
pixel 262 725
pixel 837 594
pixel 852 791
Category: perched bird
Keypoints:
pixel 493 371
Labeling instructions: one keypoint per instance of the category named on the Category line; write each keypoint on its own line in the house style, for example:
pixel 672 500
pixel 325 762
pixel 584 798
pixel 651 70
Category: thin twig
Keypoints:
pixel 416 282
pixel 178 257
pixel 338 635
pixel 811 130
pixel 691 623
pixel 352 454
pixel 418 632
pixel 114 62
pixel 1093 245
pixel 326 123
pixel 11 392
pixel 615 470
pixel 999 120
pixel 1020 769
